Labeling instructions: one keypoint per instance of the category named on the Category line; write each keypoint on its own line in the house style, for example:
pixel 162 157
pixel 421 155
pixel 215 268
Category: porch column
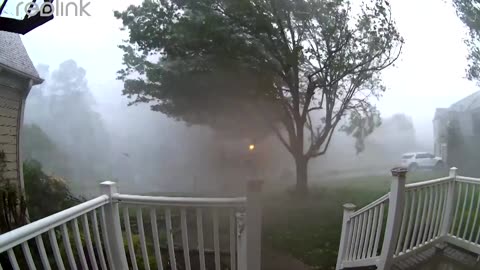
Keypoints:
pixel 450 203
pixel 348 210
pixel 395 212
pixel 254 225
pixel 114 229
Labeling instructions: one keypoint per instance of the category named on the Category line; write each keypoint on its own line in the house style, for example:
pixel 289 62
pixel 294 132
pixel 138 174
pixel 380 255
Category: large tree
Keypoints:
pixel 63 108
pixel 291 67
pixel 469 12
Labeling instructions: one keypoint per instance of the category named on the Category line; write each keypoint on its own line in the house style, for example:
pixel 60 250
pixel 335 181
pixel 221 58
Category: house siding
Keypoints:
pixel 13 90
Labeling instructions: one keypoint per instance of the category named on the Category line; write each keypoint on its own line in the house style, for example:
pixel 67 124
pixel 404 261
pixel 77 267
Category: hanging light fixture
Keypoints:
pixel 22 16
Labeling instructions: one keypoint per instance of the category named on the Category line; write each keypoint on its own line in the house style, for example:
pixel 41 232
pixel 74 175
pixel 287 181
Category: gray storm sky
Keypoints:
pixel 429 74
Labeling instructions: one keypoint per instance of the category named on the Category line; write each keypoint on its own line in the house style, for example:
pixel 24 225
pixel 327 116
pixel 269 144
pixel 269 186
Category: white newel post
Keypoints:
pixel 348 210
pixel 450 202
pixel 394 219
pixel 114 229
pixel 254 225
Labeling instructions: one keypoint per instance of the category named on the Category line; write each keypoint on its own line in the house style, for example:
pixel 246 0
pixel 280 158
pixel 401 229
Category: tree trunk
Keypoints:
pixel 302 176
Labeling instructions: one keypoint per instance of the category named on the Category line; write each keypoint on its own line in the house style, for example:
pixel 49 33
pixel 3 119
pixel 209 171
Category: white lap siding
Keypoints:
pixel 12 93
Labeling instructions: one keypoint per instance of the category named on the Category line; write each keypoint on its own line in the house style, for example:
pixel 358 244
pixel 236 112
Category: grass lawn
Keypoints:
pixel 309 228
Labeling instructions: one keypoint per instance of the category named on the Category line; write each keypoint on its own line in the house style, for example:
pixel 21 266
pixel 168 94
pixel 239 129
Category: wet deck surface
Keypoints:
pixel 440 262
pixel 448 258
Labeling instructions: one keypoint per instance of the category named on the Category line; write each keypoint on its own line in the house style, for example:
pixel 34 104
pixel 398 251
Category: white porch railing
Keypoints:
pixel 211 229
pixel 419 216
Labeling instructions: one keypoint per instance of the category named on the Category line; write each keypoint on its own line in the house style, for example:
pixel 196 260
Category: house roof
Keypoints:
pixel 469 103
pixel 14 57
pixel 440 113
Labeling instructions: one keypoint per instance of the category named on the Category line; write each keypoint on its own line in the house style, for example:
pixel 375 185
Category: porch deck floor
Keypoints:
pixel 450 258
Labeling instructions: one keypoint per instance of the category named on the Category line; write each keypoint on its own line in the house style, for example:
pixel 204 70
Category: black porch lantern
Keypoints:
pixel 20 16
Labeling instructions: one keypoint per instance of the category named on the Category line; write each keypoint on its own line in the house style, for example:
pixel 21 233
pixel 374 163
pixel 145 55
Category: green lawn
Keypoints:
pixel 309 228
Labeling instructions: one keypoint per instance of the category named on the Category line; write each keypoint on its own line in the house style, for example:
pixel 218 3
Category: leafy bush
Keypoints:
pixel 46 195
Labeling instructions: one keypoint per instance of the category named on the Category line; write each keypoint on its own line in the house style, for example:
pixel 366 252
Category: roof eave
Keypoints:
pixel 36 80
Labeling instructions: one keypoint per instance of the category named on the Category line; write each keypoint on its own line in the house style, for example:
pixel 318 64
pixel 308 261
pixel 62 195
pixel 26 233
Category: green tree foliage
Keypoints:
pixel 66 126
pixel 291 67
pixel 360 126
pixel 38 146
pixel 46 195
pixel 469 12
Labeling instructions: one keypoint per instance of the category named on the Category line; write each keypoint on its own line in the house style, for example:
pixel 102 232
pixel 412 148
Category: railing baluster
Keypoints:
pixel 360 232
pixel 459 194
pixel 43 253
pixel 367 233
pixel 79 245
pixel 354 221
pixel 434 213
pixel 13 259
pixel 470 209
pixel 421 230
pixel 445 207
pixel 428 218
pixel 403 226
pixel 216 240
pixel 98 242
pixel 416 230
pixel 463 209
pixel 357 239
pixel 156 243
pixel 233 243
pixel 28 256
pixel 68 247
pixel 171 250
pixel 201 249
pixel 349 241
pixel 475 220
pixel 56 250
pixel 362 236
pixel 128 230
pixel 478 234
pixel 379 229
pixel 143 242
pixel 103 226
pixel 184 228
pixel 88 242
pixel 372 234
pixel 408 234
pixel 441 206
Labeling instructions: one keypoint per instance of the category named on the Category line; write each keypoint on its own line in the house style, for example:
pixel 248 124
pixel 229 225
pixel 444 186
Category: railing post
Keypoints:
pixel 114 229
pixel 254 225
pixel 449 203
pixel 348 210
pixel 394 219
pixel 241 242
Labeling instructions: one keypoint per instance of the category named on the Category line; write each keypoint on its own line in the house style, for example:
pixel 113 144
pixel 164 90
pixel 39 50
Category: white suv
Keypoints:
pixel 414 161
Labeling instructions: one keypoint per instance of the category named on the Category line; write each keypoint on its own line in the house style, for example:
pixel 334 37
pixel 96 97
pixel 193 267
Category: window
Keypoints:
pixel 424 155
pixel 476 123
pixel 407 156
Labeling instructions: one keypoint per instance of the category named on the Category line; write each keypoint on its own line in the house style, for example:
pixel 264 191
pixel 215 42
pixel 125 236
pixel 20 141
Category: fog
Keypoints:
pixel 147 152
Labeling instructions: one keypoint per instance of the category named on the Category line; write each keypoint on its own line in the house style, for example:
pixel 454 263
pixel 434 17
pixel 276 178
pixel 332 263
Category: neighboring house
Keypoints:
pixel 466 114
pixel 17 76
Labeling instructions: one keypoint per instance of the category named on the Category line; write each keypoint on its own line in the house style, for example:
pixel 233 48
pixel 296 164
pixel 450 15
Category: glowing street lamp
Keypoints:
pixel 251 147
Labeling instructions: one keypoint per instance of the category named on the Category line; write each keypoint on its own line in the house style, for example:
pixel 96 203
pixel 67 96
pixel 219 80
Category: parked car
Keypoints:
pixel 417 160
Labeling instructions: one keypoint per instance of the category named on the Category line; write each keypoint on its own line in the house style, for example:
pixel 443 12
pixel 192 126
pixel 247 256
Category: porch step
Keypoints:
pixel 444 258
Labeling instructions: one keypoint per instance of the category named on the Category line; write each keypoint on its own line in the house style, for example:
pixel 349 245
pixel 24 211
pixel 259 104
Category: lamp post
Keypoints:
pixel 253 248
